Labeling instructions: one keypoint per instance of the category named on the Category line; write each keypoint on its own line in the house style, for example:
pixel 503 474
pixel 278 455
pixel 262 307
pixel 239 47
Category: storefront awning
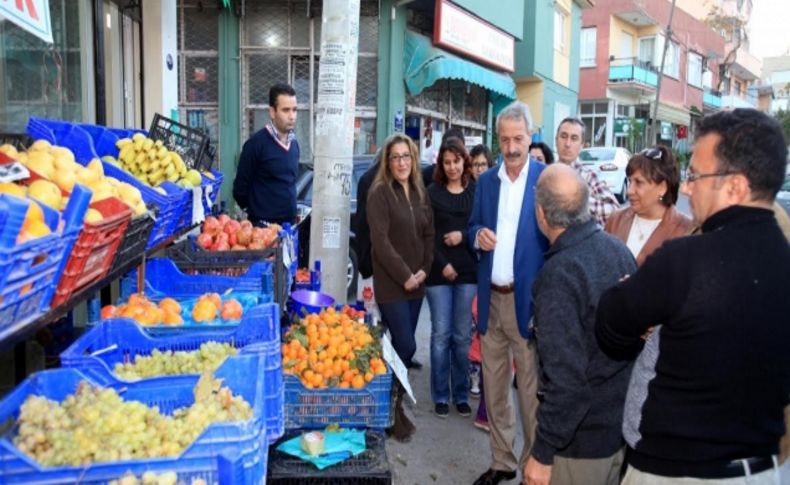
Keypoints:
pixel 424 64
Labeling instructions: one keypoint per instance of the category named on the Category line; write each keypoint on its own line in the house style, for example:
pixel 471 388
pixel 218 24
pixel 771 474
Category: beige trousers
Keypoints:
pixel 773 476
pixel 587 471
pixel 500 345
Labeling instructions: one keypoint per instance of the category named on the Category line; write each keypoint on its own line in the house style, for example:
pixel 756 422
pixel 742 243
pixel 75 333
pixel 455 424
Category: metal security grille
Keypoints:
pixel 198 65
pixel 281 42
pixel 454 101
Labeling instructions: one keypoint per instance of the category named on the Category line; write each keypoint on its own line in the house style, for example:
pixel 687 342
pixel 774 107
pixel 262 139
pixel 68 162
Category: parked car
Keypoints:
pixel 304 197
pixel 609 164
pixel 783 197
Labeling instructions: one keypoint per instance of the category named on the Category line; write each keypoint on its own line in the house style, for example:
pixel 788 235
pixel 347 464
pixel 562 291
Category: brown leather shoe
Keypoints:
pixel 492 477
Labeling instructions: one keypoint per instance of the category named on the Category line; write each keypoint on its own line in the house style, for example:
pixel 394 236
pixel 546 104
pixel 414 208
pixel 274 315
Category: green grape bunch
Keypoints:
pixel 207 358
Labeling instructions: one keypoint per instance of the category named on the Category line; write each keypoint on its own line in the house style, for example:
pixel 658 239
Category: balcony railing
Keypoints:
pixel 711 98
pixel 632 70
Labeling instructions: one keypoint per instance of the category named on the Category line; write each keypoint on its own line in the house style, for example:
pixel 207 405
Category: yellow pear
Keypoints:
pixel 40 145
pixel 42 163
pixel 65 179
pixel 96 166
pixel 93 216
pixel 9 150
pixel 45 192
pixel 13 189
pixel 62 152
pixel 129 194
pixel 86 177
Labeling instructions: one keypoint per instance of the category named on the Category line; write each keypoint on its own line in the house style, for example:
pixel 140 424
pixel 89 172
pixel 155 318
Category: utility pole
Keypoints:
pixel 334 144
pixel 667 40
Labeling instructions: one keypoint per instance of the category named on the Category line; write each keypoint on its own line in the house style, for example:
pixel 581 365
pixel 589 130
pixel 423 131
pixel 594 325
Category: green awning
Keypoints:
pixel 424 64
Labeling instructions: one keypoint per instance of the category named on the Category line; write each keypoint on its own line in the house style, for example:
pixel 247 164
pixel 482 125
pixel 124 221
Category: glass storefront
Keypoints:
pixel 49 81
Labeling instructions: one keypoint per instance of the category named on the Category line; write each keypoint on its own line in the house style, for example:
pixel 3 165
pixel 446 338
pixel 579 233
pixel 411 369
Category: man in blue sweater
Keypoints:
pixel 265 184
pixel 705 400
pixel 582 391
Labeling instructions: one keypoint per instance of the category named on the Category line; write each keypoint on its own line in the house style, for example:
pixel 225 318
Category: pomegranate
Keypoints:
pixel 244 236
pixel 231 310
pixel 205 241
pixel 231 226
pixel 211 226
pixel 246 223
pixel 223 219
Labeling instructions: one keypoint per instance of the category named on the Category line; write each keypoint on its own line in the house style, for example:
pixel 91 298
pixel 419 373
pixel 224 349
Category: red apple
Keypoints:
pixel 231 226
pixel 205 241
pixel 222 246
pixel 232 239
pixel 223 219
pixel 211 225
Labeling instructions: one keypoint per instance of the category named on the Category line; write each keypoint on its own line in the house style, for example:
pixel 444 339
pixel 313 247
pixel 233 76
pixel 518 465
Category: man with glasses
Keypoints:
pixel 709 403
pixel 569 142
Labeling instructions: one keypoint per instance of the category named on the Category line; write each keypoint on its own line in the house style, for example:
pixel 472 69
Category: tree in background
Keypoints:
pixel 730 27
pixel 784 119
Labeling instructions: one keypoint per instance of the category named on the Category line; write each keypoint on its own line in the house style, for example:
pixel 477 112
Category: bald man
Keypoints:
pixel 582 391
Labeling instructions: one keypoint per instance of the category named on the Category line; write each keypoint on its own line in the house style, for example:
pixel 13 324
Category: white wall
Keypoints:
pixel 159 40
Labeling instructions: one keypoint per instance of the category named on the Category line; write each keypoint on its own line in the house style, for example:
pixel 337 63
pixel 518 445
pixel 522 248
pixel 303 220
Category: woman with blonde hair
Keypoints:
pixel 401 232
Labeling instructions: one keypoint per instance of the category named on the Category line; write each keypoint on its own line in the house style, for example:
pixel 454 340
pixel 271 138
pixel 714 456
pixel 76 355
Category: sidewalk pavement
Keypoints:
pixel 447 451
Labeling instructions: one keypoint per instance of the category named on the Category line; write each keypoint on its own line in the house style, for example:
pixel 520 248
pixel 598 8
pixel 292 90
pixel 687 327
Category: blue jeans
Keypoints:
pixel 451 335
pixel 401 319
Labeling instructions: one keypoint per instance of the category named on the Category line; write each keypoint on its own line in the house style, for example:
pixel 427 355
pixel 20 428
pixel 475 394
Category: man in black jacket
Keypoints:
pixel 582 391
pixel 707 391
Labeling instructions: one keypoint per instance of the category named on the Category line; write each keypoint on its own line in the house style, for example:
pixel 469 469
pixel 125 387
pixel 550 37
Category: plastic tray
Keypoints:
pixel 188 142
pixel 368 468
pixel 94 249
pixel 135 238
pixel 240 438
pixel 368 407
pixel 163 278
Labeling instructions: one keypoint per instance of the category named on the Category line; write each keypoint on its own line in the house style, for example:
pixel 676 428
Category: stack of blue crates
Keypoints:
pixel 225 453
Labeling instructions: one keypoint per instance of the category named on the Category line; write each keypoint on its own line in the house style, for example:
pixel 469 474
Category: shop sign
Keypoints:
pixel 457 30
pixel 31 15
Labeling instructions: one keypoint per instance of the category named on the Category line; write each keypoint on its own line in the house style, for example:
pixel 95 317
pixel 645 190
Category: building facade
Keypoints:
pixel 776 74
pixel 547 68
pixel 622 44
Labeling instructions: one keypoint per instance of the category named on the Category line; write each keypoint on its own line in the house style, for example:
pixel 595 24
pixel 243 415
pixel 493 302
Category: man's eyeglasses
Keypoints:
pixel 406 157
pixel 692 177
pixel 653 153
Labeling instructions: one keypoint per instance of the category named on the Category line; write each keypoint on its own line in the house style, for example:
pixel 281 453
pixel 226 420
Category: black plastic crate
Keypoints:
pixel 192 259
pixel 209 157
pixel 20 141
pixel 368 468
pixel 135 238
pixel 188 142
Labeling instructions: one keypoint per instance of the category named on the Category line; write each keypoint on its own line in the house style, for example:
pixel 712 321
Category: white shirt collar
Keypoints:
pixel 502 172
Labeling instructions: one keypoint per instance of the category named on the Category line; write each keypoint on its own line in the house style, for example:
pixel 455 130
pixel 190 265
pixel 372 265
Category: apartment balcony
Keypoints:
pixel 734 101
pixel 746 66
pixel 632 76
pixel 711 99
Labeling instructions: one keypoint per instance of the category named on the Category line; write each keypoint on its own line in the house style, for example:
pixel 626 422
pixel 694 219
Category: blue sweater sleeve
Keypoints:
pixel 244 174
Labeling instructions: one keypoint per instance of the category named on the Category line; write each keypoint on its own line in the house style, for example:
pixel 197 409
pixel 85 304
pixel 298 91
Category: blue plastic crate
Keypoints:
pixel 30 272
pixel 64 134
pixel 368 407
pixel 259 325
pixel 241 441
pixel 163 278
pixel 274 391
pixel 211 196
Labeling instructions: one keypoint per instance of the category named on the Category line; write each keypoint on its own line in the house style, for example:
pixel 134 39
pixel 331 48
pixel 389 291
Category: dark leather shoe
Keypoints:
pixel 492 477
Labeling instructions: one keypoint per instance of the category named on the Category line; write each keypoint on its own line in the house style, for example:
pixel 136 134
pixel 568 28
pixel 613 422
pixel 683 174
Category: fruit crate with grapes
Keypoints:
pixel 334 373
pixel 164 279
pixel 218 435
pixel 30 267
pixel 107 352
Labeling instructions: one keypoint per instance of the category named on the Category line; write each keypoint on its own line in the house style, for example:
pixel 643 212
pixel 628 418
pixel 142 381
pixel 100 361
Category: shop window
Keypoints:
pixel 46 80
pixel 367 81
pixel 364 136
pixel 266 24
pixel 262 72
pixel 202 20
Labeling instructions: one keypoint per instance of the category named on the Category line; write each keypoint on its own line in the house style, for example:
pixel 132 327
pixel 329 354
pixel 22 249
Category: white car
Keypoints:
pixel 609 164
pixel 783 197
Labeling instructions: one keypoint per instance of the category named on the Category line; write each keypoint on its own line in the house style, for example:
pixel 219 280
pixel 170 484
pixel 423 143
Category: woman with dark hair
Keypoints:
pixel 452 283
pixel 541 152
pixel 401 232
pixel 482 160
pixel 651 218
